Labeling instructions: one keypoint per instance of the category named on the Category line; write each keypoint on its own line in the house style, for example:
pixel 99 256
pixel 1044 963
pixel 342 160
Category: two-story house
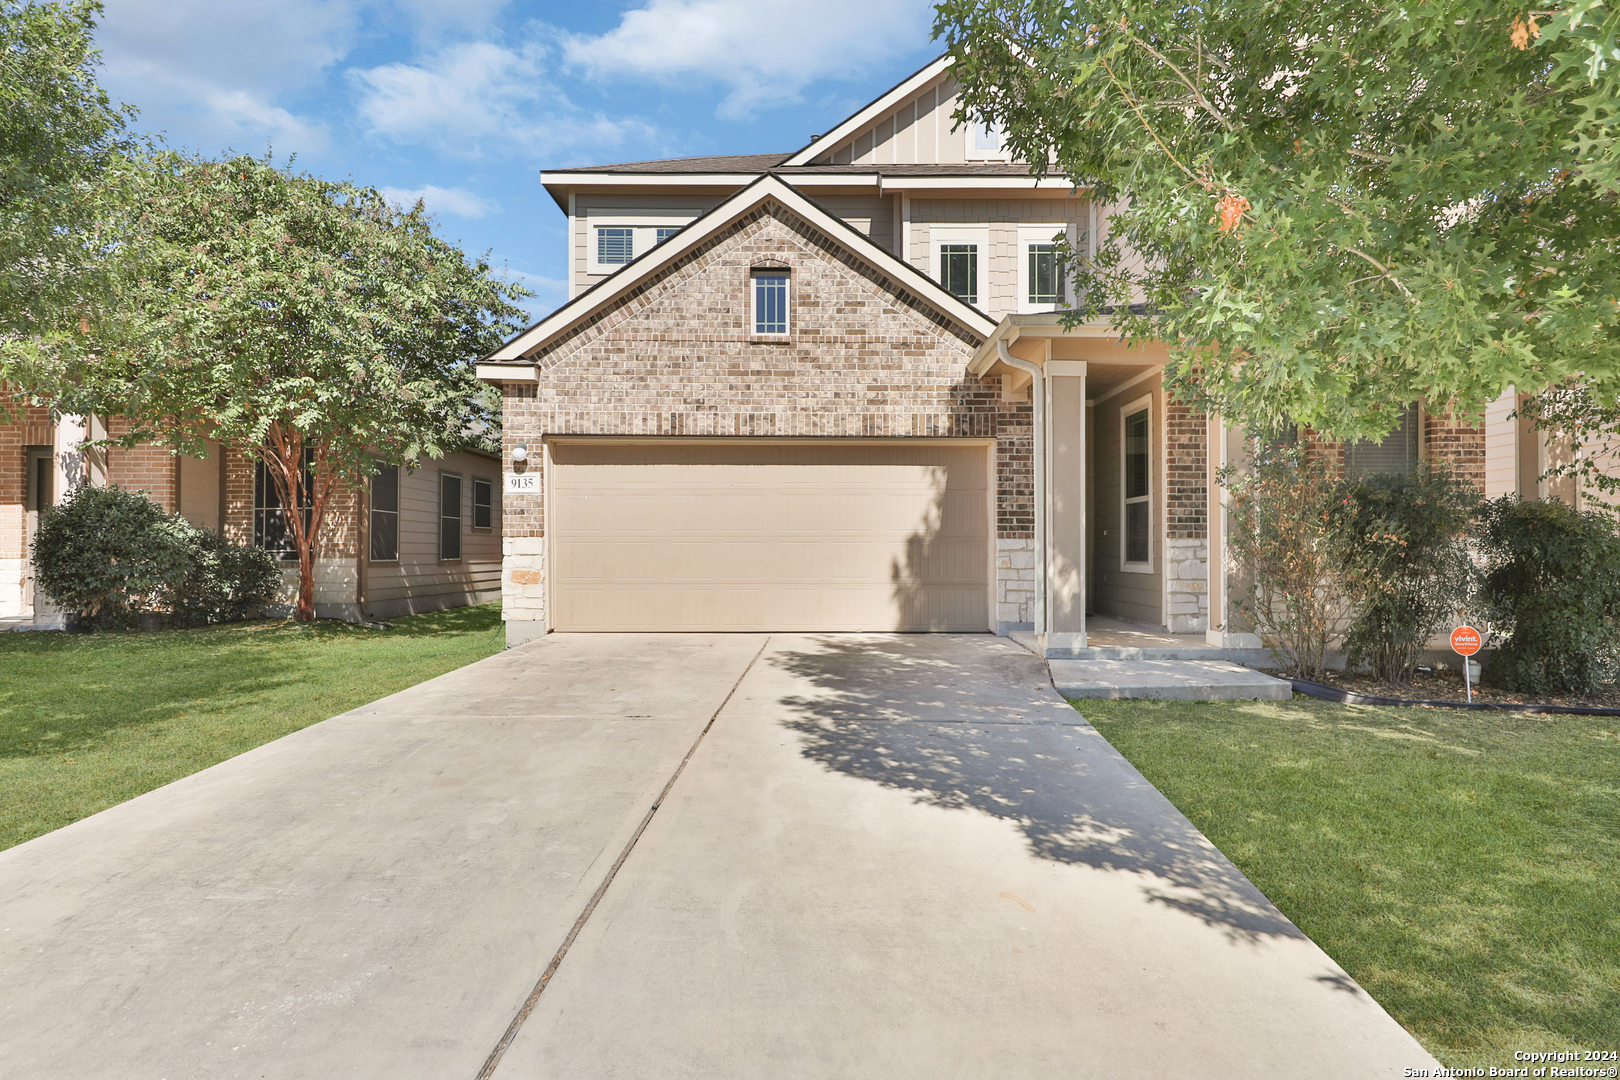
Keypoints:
pixel 830 390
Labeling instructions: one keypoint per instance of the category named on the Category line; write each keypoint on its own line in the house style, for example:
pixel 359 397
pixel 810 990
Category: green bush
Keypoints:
pixel 109 557
pixel 1409 570
pixel 1552 586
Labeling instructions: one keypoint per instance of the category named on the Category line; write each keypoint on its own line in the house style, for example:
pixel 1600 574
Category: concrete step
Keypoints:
pixel 1167 680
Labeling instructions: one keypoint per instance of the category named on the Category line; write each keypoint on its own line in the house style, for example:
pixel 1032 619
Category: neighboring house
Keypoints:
pixel 411 542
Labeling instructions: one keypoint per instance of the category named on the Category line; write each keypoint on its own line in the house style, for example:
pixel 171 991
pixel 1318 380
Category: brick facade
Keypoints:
pixel 1186 516
pixel 674 357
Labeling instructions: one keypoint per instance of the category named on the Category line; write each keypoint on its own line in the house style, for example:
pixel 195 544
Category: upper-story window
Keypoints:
pixel 770 291
pixel 1041 285
pixel 984 142
pixel 614 247
pixel 959 270
pixel 615 238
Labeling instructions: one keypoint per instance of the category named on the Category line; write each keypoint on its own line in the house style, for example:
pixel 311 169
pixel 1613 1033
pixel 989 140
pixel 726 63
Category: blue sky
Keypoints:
pixel 465 101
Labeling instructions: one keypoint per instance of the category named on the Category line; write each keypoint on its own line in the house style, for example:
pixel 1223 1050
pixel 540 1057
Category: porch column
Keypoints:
pixel 1066 506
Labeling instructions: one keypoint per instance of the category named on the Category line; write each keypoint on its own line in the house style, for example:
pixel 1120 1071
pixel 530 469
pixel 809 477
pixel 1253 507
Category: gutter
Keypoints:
pixel 1037 396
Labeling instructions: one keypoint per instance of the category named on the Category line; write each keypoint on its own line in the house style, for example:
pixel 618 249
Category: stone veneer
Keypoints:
pixel 674 357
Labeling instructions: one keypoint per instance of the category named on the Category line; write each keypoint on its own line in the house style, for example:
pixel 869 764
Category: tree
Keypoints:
pixel 309 323
pixel 58 133
pixel 1329 210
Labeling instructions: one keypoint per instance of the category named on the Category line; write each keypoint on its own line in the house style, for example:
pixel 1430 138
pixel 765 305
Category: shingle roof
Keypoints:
pixel 746 163
pixel 763 163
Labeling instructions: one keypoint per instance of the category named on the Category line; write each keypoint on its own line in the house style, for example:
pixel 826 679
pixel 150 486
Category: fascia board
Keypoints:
pixel 977 183
pixel 505 372
pixel 871 112
pixel 608 289
pixel 1041 325
pixel 730 180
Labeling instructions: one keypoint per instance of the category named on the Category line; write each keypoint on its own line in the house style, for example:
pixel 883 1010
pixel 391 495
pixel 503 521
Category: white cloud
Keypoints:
pixel 762 50
pixel 549 293
pixel 480 98
pixel 211 72
pixel 457 202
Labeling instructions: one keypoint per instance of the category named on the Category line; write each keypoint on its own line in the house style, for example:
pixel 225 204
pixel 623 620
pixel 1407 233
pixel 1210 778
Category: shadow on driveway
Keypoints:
pixel 1073 796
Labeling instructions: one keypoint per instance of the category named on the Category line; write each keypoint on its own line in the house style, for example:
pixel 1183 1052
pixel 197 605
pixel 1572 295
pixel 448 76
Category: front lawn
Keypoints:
pixel 90 721
pixel 1463 867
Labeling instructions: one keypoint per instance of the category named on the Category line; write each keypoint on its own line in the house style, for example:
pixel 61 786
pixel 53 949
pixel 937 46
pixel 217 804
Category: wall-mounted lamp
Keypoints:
pixel 520 454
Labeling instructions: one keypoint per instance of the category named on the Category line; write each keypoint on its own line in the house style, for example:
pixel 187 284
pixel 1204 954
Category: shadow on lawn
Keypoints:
pixel 1075 799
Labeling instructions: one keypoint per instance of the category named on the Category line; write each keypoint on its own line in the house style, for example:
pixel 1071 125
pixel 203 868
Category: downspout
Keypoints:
pixel 1037 397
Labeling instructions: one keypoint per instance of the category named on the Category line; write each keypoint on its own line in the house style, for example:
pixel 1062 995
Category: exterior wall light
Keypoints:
pixel 520 454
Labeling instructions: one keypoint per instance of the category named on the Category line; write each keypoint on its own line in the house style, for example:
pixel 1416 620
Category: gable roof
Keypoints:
pixel 770 186
pixel 902 90
pixel 725 163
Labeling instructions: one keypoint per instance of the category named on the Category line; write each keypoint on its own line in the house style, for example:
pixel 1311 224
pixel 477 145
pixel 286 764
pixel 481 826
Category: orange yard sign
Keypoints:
pixel 1465 641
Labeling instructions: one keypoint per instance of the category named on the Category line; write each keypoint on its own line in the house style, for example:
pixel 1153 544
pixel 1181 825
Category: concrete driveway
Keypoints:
pixel 671 856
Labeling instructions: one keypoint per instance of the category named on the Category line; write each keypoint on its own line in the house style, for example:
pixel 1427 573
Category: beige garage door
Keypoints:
pixel 870 535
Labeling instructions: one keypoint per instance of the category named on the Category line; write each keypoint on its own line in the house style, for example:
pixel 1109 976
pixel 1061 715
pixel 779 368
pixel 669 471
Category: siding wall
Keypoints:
pixel 418 580
pixel 1501 447
pixel 919 131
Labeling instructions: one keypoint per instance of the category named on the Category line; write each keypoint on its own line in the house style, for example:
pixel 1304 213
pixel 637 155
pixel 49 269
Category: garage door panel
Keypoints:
pixel 778 536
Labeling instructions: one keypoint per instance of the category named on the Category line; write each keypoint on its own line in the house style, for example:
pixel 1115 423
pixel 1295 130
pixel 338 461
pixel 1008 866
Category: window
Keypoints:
pixel 483 502
pixel 41 474
pixel 1138 470
pixel 385 514
pixel 665 232
pixel 1396 452
pixel 449 517
pixel 270 528
pixel 1045 274
pixel 615 247
pixel 959 270
pixel 770 302
pixel 986 137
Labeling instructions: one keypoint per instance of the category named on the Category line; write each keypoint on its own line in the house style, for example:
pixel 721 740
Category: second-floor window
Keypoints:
pixel 959 270
pixel 1045 274
pixel 770 288
pixel 615 247
pixel 666 231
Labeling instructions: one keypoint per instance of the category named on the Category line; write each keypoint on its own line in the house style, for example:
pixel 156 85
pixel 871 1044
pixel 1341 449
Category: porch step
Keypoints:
pixel 1166 680
pixel 1195 649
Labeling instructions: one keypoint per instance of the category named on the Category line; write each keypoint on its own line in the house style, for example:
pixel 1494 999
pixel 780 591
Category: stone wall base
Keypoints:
pixel 523 580
pixel 1186 586
pixel 1015 585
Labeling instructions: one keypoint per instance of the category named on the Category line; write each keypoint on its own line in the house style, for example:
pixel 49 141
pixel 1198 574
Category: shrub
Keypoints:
pixel 110 556
pixel 1287 533
pixel 1552 585
pixel 1408 562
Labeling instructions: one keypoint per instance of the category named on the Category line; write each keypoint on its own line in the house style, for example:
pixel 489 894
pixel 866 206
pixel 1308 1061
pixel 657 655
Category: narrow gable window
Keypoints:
pixel 770 290
pixel 615 246
pixel 385 514
pixel 959 270
pixel 1045 275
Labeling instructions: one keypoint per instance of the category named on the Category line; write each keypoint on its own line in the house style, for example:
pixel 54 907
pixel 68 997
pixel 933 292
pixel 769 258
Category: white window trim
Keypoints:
pixel 971 152
pixel 472 503
pixel 645 238
pixel 1039 234
pixel 753 323
pixel 958 234
pixel 1130 409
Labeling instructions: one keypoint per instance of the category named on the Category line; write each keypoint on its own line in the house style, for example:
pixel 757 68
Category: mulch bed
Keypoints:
pixel 1448 686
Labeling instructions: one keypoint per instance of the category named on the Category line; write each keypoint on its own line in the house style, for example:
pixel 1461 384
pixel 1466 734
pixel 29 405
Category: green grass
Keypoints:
pixel 1464 868
pixel 90 721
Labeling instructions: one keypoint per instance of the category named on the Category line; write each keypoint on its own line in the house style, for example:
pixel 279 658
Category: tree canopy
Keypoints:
pixel 58 133
pixel 308 322
pixel 1327 209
